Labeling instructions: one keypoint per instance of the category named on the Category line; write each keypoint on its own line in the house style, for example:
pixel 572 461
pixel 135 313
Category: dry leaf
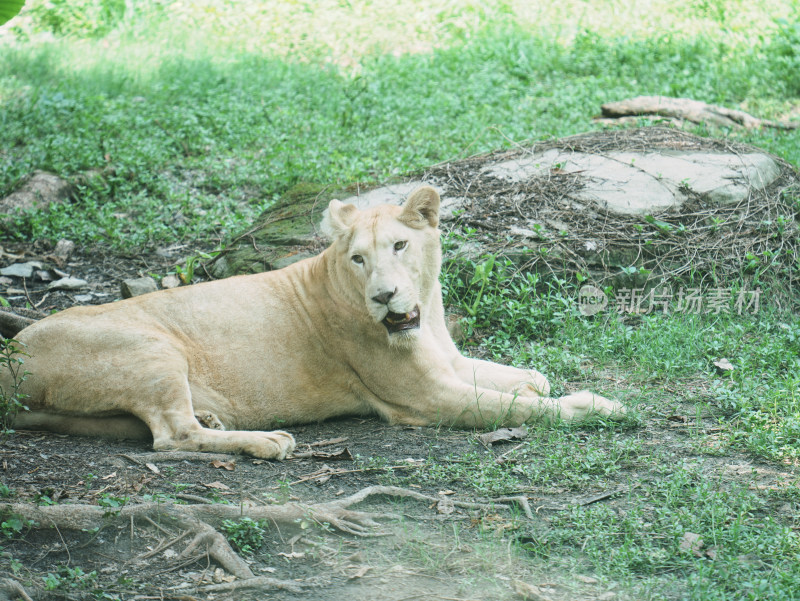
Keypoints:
pixel 503 434
pixel 340 455
pixel 217 486
pixel 586 579
pixel 293 555
pixel 327 443
pixel 693 543
pixel 528 591
pixel 228 465
pixel 360 572
pixel 111 475
pixel 322 475
pixel 153 468
pixel 724 365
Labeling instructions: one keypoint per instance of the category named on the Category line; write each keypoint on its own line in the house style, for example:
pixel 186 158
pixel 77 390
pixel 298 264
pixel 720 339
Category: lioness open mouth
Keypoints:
pixel 397 322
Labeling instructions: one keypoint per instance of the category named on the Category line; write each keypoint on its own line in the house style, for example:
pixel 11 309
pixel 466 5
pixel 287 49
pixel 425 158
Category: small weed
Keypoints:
pixel 67 578
pixel 13 525
pixel 113 504
pixel 12 359
pixel 246 534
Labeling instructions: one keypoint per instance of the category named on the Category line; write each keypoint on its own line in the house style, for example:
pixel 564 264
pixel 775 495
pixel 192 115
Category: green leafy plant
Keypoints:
pixel 67 578
pixel 112 503
pixel 246 534
pixel 13 525
pixel 12 360
pixel 9 9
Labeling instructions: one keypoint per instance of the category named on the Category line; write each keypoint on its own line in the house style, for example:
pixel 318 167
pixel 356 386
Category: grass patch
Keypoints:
pixel 194 139
pixel 194 117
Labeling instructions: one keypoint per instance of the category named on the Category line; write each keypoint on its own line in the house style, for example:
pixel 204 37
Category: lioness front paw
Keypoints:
pixel 271 445
pixel 584 404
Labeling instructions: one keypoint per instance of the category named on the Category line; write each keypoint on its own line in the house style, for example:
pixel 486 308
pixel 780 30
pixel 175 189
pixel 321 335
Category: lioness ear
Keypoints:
pixel 338 218
pixel 421 208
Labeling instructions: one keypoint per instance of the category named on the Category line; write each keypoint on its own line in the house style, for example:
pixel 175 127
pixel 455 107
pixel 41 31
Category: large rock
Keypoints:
pixel 38 192
pixel 603 203
pixel 643 182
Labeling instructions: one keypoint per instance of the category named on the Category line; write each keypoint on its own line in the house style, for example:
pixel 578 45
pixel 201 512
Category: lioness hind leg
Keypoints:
pixel 175 427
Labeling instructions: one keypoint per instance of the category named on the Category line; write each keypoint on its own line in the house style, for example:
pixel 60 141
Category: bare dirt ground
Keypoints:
pixel 438 547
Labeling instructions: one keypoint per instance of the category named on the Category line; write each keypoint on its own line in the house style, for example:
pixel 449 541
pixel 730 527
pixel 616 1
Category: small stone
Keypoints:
pixel 64 249
pixel 67 284
pixel 83 298
pixel 138 286
pixel 170 281
pixel 21 270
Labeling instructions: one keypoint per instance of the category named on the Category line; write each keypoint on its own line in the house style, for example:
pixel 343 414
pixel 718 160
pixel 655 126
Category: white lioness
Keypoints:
pixel 358 329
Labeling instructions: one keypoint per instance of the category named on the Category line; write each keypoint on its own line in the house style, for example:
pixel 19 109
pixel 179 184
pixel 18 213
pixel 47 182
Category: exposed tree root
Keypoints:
pixel 201 520
pixel 11 590
pixel 256 583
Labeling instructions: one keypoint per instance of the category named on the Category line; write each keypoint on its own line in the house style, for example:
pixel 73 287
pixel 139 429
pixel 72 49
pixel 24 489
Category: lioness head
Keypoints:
pixel 390 257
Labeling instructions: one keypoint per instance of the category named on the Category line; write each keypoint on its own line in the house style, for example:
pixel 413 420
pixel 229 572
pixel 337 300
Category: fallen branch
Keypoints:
pixel 686 109
pixel 11 323
pixel 172 456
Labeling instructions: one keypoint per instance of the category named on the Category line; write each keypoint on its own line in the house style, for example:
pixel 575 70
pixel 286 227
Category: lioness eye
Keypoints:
pixel 400 245
pixel 357 259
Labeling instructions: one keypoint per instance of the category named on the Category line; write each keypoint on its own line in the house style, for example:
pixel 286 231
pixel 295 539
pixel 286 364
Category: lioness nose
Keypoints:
pixel 384 297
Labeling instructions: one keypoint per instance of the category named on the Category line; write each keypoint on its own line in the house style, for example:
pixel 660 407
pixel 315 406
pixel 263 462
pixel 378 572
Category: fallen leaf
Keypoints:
pixel 322 475
pixel 111 475
pixel 724 365
pixel 340 455
pixel 360 572
pixel 528 591
pixel 693 543
pixel 217 486
pixel 153 468
pixel 293 555
pixel 327 443
pixel 228 465
pixel 586 579
pixel 503 434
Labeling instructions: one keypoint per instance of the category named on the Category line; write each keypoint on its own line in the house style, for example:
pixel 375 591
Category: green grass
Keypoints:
pixel 196 135
pixel 196 116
